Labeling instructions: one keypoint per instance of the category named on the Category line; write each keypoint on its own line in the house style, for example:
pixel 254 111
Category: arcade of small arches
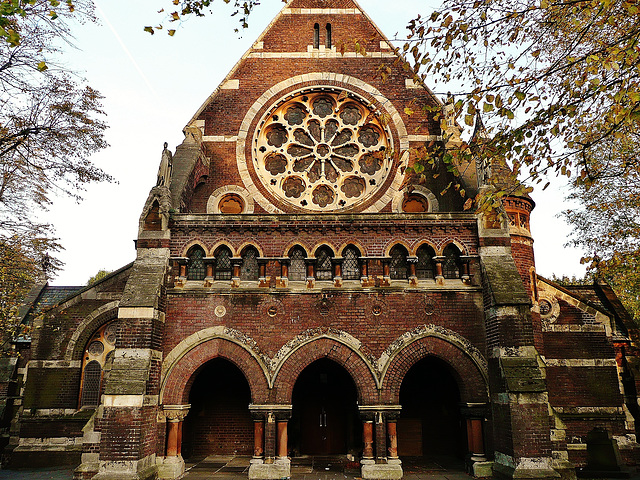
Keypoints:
pixel 297 265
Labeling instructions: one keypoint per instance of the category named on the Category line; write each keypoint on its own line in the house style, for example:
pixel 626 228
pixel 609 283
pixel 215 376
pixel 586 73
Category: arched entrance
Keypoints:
pixel 325 418
pixel 430 423
pixel 219 421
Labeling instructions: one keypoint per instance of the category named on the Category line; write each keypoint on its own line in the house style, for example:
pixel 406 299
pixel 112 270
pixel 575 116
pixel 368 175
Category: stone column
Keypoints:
pixel 181 278
pixel 209 263
pixel 172 465
pixel 236 263
pixel 311 265
pixel 413 278
pixel 476 460
pixel 378 464
pixel 336 263
pixel 364 272
pixel 270 460
pixel 386 272
pixel 263 280
pixel 464 269
pixel 283 280
pixel 439 276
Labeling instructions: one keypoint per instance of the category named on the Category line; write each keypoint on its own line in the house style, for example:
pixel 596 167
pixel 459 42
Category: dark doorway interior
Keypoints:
pixel 430 421
pixel 219 421
pixel 325 419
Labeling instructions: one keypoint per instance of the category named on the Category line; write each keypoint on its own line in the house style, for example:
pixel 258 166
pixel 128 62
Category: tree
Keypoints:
pixel 98 276
pixel 50 124
pixel 606 223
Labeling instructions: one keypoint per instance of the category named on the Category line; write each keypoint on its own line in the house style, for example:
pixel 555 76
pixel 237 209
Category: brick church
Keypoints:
pixel 293 295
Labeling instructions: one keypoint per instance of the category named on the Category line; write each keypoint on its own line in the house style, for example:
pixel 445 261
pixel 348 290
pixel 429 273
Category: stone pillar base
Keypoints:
pixel 528 469
pixel 170 467
pixel 479 469
pixel 392 470
pixel 281 468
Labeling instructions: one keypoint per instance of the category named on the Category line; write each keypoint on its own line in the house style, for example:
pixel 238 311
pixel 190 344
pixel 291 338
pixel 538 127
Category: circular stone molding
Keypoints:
pixel 322 150
pixel 232 192
pixel 549 307
pixel 333 144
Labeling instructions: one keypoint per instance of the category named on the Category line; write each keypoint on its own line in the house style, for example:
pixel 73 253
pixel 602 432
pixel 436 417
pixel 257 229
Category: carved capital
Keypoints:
pixel 175 413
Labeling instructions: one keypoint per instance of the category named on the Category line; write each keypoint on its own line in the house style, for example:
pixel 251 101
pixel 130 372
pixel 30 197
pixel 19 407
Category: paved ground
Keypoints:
pixel 305 468
pixel 319 468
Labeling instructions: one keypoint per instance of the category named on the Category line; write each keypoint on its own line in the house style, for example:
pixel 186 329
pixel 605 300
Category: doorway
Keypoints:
pixel 325 418
pixel 219 422
pixel 430 423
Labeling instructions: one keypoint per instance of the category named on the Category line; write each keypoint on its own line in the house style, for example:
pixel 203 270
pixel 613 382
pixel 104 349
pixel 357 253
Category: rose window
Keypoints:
pixel 322 150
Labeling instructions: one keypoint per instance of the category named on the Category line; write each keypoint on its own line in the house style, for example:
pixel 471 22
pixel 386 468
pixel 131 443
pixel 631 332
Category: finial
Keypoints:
pixel 165 145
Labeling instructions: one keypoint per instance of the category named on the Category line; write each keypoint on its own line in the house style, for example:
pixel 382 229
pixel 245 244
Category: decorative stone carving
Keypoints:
pixel 322 150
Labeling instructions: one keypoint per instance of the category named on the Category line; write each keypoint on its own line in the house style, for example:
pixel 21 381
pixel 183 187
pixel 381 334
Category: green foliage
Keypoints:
pixel 98 276
pixel 50 124
pixel 180 9
pixel 553 79
pixel 606 223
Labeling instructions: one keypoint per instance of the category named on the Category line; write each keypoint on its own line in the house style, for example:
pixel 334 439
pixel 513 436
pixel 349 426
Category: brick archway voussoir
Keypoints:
pixel 331 349
pixel 181 377
pixel 470 380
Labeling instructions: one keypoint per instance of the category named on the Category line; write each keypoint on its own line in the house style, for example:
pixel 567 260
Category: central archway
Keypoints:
pixel 430 423
pixel 325 418
pixel 219 421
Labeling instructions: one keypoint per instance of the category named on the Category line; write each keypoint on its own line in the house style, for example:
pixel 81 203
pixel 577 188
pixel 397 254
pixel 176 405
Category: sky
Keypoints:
pixel 153 84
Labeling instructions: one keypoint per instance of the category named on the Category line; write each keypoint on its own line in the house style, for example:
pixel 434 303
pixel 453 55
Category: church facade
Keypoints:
pixel 293 295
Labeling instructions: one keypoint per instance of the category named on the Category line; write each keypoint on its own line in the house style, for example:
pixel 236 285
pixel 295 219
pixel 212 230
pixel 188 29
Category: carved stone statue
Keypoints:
pixel 164 172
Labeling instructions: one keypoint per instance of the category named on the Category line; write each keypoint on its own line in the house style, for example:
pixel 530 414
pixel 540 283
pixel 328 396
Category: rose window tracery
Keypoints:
pixel 322 150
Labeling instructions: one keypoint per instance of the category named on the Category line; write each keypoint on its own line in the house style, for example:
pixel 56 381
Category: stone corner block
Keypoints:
pixel 269 471
pixel 381 471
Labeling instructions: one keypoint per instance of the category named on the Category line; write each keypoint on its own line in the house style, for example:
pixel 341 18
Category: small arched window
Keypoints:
pixel 249 269
pixel 327 40
pixel 398 265
pixel 98 351
pixel 425 266
pixel 222 264
pixel 197 269
pixel 297 267
pixel 451 264
pixel 316 36
pixel 324 269
pixel 350 264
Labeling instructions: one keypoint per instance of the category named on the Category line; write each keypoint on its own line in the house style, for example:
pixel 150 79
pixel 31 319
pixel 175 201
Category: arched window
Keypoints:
pixel 350 265
pixel 324 269
pixel 297 267
pixel 398 265
pixel 425 266
pixel 222 264
pixel 196 270
pixel 249 269
pixel 98 351
pixel 451 264
pixel 327 40
pixel 316 36
pixel 91 381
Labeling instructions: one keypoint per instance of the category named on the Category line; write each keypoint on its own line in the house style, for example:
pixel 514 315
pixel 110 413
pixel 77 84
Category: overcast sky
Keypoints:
pixel 152 87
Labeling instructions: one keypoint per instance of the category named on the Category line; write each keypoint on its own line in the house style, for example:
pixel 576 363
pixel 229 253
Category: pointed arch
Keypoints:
pixel 183 363
pixel 467 364
pixel 91 323
pixel 340 347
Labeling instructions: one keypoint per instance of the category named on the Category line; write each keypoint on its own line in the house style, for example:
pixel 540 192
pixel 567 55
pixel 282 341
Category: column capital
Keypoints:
pixel 175 413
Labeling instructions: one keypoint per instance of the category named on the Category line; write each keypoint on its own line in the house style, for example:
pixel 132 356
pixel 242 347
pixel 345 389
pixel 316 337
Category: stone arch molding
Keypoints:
pixel 425 331
pixel 271 367
pixel 91 323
